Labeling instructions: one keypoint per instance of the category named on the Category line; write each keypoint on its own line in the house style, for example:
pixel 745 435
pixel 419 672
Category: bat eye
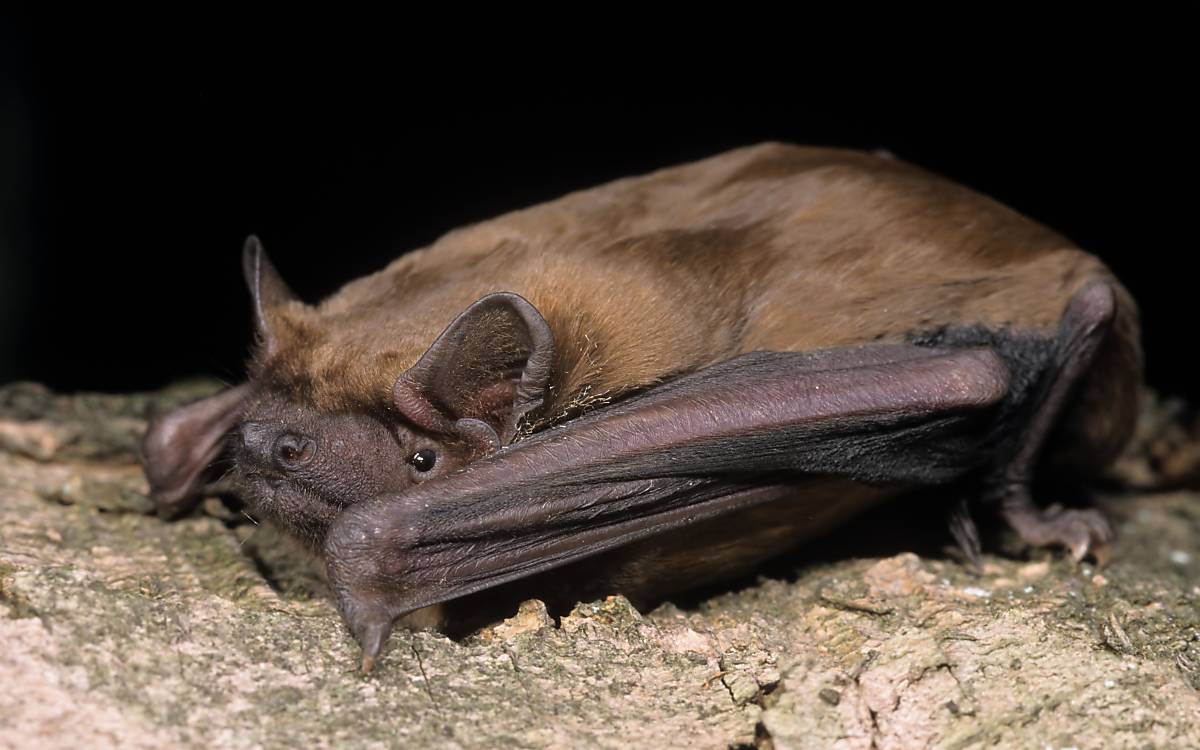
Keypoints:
pixel 423 460
pixel 294 451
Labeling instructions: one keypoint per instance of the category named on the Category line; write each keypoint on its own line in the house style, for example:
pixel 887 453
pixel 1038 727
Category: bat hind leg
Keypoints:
pixel 1085 325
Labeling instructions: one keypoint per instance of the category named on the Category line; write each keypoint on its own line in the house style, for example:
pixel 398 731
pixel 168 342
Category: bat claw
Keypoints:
pixel 1084 532
pixel 367 604
pixel 372 636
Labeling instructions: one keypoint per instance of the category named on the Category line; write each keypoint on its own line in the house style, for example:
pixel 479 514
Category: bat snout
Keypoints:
pixel 270 446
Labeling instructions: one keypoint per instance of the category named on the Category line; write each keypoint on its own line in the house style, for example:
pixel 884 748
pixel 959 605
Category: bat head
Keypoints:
pixel 300 462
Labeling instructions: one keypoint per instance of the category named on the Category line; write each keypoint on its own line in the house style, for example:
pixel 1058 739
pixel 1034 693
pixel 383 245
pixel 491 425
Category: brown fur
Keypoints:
pixel 768 247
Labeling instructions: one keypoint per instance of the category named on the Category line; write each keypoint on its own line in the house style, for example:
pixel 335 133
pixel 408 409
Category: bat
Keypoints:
pixel 663 381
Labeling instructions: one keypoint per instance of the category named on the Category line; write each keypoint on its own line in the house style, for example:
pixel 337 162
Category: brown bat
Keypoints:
pixel 670 378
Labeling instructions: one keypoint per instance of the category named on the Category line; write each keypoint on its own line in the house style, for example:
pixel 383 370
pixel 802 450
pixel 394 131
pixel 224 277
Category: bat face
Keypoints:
pixel 301 467
pixel 301 464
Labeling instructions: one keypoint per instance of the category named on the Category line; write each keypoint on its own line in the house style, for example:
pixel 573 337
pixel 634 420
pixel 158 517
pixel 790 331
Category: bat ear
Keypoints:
pixel 490 367
pixel 180 445
pixel 267 290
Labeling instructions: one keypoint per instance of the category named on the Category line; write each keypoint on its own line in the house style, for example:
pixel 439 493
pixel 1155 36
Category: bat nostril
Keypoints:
pixel 293 451
pixel 255 435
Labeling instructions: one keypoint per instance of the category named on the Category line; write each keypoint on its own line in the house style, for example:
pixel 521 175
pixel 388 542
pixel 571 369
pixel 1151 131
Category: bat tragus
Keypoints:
pixel 669 378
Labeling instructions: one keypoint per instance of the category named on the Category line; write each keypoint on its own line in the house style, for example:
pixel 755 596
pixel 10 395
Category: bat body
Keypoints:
pixel 676 375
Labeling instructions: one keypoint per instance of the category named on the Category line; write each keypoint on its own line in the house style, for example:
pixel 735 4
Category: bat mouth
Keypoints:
pixel 275 495
pixel 294 509
pixel 261 476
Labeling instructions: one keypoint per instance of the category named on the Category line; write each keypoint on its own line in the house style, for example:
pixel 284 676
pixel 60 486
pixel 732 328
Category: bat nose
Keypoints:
pixel 257 437
pixel 292 451
pixel 270 445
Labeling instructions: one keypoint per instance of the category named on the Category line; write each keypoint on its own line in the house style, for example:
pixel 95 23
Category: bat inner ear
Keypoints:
pixel 491 365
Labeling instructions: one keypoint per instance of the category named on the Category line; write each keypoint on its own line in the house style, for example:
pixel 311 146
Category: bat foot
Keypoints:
pixel 1083 532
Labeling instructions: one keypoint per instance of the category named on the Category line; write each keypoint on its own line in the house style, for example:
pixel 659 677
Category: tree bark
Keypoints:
pixel 122 630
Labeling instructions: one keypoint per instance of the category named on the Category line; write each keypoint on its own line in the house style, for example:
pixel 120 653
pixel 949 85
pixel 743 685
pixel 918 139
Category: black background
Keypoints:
pixel 132 167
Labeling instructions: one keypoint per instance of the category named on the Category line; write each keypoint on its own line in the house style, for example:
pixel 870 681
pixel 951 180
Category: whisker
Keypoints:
pixel 248 536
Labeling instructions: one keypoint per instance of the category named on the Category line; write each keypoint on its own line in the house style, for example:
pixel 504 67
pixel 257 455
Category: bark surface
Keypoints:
pixel 118 629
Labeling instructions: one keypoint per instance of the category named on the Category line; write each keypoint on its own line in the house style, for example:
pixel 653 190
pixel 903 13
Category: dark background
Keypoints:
pixel 130 173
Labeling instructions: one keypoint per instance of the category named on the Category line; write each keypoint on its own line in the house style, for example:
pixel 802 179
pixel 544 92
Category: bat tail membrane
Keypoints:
pixel 722 439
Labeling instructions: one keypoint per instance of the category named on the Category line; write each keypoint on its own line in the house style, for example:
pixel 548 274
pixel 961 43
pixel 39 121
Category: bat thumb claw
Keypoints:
pixel 372 637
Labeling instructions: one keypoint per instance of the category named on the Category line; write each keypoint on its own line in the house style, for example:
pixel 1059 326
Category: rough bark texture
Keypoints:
pixel 121 630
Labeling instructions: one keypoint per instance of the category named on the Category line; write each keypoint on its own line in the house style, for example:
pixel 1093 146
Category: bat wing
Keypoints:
pixel 715 441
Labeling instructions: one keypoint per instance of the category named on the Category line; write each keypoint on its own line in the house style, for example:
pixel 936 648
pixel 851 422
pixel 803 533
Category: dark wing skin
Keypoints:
pixel 719 440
